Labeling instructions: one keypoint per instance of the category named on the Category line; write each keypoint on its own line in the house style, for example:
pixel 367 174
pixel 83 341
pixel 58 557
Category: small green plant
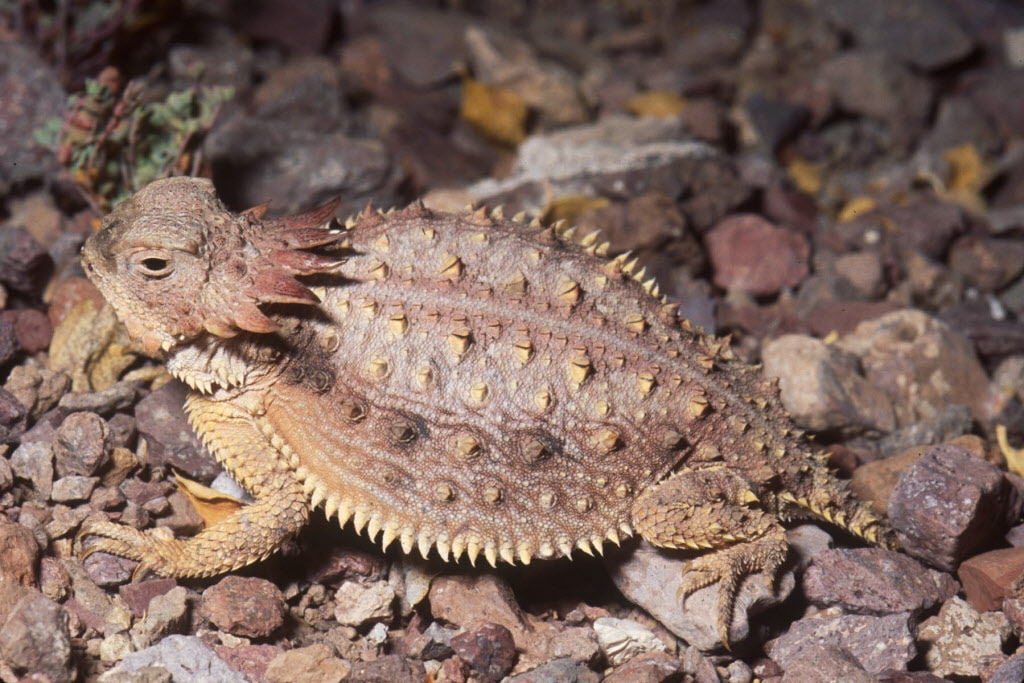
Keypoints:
pixel 117 137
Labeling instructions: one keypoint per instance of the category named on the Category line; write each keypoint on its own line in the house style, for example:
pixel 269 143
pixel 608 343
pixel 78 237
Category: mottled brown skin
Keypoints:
pixel 459 383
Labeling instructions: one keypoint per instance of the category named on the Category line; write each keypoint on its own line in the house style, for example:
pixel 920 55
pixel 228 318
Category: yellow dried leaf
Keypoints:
pixel 90 346
pixel 569 207
pixel 496 113
pixel 656 103
pixel 805 175
pixel 855 208
pixel 968 176
pixel 212 506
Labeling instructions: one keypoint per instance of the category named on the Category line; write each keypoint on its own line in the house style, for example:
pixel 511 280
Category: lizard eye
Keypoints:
pixel 152 265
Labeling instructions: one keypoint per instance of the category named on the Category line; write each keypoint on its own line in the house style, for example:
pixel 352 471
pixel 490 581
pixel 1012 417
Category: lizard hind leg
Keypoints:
pixel 713 510
pixel 250 534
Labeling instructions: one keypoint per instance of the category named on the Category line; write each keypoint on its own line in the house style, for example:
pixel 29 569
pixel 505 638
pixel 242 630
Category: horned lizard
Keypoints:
pixel 463 384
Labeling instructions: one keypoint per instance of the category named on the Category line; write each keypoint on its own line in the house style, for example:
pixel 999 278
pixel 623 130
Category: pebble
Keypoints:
pixel 32 95
pixel 874 581
pixel 389 669
pixel 987 263
pixel 921 364
pixel 37 388
pixel 875 643
pixel 489 650
pixel 563 670
pixel 187 658
pixel 924 34
pixel 251 660
pixel 81 445
pixel 19 553
pixel 160 418
pixel 825 664
pixel 33 461
pixel 647 667
pixel 9 346
pixel 960 641
pixel 139 594
pixel 166 613
pixel 647 575
pixel 950 504
pixel 244 606
pixel 21 260
pixel 988 578
pixel 314 663
pixel 360 603
pixel 822 389
pixel 13 417
pixel 749 254
pixel 34 637
pixel 73 489
pixel 32 329
pixel 623 639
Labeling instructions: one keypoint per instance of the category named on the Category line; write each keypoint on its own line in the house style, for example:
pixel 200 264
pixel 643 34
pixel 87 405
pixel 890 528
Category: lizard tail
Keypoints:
pixel 832 500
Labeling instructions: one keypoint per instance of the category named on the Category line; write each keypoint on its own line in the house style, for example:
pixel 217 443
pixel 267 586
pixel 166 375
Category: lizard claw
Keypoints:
pixel 729 567
pixel 152 549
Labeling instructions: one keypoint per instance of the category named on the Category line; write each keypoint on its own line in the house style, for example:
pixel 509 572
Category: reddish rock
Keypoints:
pixel 249 607
pixel 253 660
pixel 749 254
pixel 989 577
pixel 137 595
pixel 489 650
pixel 949 504
pixel 160 417
pixel 32 329
pixel 314 663
pixel 874 581
pixel 68 293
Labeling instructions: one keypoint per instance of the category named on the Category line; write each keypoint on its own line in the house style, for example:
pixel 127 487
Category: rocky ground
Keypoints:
pixel 839 185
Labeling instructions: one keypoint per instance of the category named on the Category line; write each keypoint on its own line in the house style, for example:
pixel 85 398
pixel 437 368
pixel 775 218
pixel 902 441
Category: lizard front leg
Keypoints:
pixel 714 510
pixel 250 534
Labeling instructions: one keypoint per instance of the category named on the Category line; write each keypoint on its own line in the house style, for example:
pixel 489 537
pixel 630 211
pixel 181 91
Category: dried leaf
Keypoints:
pixel 805 175
pixel 856 207
pixel 968 176
pixel 497 113
pixel 91 347
pixel 569 207
pixel 664 103
pixel 213 506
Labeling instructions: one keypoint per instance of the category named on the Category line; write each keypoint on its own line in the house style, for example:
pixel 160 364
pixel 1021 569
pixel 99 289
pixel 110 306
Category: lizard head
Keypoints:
pixel 176 264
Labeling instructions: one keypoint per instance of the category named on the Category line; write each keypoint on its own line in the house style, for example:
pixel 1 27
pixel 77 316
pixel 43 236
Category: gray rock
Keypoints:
pixel 73 488
pixel 564 670
pixel 618 157
pixel 874 643
pixel 923 33
pixel 34 461
pixel 651 578
pixel 825 664
pixel 32 95
pixel 187 658
pixel 874 581
pixel 359 603
pixel 165 613
pixel 822 389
